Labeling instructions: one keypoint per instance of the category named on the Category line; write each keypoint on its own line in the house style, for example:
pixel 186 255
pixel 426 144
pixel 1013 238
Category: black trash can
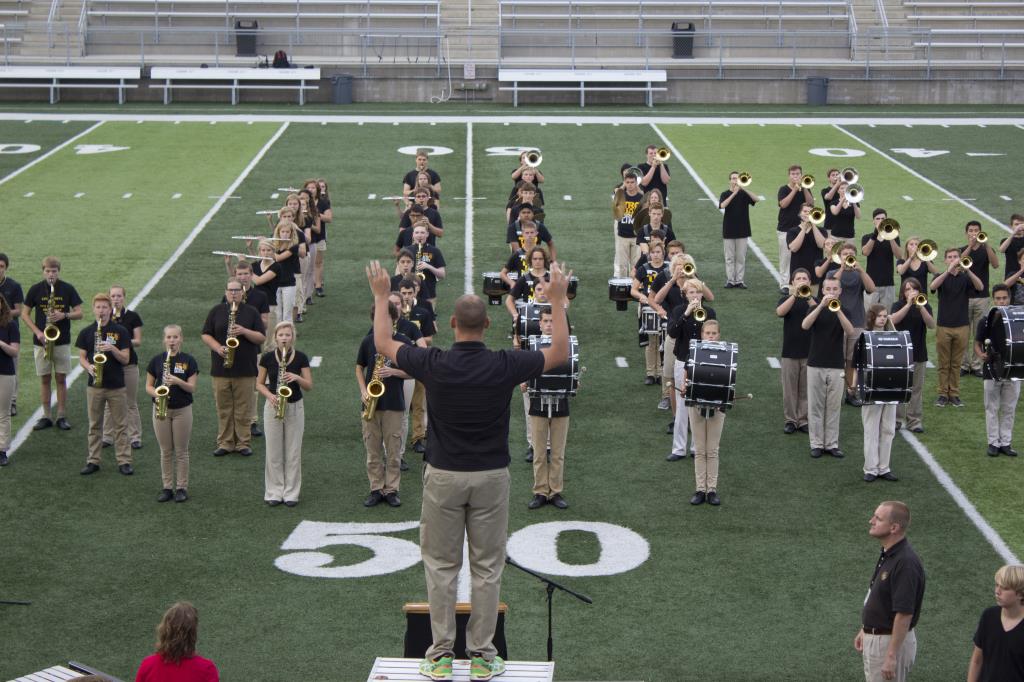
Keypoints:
pixel 341 89
pixel 817 91
pixel 245 38
pixel 682 40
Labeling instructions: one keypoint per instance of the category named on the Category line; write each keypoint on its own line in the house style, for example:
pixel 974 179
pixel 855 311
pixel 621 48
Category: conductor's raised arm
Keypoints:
pixel 557 354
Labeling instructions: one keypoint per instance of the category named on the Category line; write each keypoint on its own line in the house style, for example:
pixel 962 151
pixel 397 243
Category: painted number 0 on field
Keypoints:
pixel 535 547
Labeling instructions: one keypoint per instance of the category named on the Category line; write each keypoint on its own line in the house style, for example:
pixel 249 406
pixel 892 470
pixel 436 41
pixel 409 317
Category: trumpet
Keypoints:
pixel 888 229
pixel 807 181
pixel 850 261
pixel 374 389
pixel 921 300
pixel 744 179
pixel 817 216
pixel 982 238
pixel 231 343
pixel 966 262
pixel 854 194
pixel 927 250
pixel 689 269
pixel 699 314
pixel 533 158
pixel 803 291
pixel 834 305
pixel 849 175
pixel 663 154
pixel 98 359
pixel 163 391
pixel 50 332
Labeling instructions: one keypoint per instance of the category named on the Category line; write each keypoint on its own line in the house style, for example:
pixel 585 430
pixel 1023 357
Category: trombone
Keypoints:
pixel 744 179
pixel 927 250
pixel 662 155
pixel 854 194
pixel 817 216
pixel 849 175
pixel 533 158
pixel 807 181
pixel 888 229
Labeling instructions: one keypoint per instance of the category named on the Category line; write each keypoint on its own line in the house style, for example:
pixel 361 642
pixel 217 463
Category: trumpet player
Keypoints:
pixel 382 425
pixel 55 303
pixel 917 265
pixel 735 204
pixel 831 194
pixel 233 384
pixel 655 173
pixel 684 325
pixel 103 351
pixel 283 375
pixel 841 215
pixel 913 313
pixel 791 197
pixel 805 241
pixel 796 343
pixel 881 248
pixel 952 331
pixel 176 373
pixel 983 256
pixel 1012 246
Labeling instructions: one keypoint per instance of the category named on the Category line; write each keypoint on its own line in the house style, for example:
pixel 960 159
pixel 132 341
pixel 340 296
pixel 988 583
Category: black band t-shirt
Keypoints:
pixel 295 365
pixel 113 370
pixel 65 299
pixel 182 366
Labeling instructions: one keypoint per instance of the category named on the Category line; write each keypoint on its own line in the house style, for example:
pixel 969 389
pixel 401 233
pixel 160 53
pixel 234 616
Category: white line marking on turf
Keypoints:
pixel 79 195
pixel 961 500
pixel 774 363
pixel 908 198
pixel 28 195
pixel 711 195
pixel 50 153
pixel 126 195
pixel 66 121
pixel 1005 198
pixel 921 177
pixel 621 362
pixel 176 195
pixel 315 362
pixel 275 195
pixel 467 282
pixel 26 429
pixel 371 196
pixel 567 197
pixel 433 123
pixel 985 154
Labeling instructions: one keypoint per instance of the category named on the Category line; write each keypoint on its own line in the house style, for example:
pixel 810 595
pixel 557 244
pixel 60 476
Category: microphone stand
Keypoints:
pixel 550 586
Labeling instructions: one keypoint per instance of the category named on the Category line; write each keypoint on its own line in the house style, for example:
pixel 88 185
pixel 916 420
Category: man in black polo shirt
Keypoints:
pixel 791 197
pixel 886 639
pixel 735 203
pixel 881 255
pixel 466 477
pixel 953 332
pixel 983 257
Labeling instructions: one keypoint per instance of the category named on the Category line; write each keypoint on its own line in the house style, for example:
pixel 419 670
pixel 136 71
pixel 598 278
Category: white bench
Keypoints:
pixel 56 77
pixel 232 79
pixel 580 78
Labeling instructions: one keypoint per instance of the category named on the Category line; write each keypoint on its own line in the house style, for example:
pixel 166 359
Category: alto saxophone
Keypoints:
pixel 231 343
pixel 50 332
pixel 419 259
pixel 284 392
pixel 163 390
pixel 374 389
pixel 98 359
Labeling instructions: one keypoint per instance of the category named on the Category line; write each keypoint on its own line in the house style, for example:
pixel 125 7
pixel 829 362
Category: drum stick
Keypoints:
pixel 749 396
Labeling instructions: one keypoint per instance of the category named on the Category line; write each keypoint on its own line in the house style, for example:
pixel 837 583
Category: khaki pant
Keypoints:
pixel 950 343
pixel 668 362
pixel 233 396
pixel 1000 405
pixel 382 437
pixel 282 477
pixel 8 386
pixel 911 414
pixel 173 435
pixel 882 295
pixel 548 477
pixel 419 412
pixel 627 252
pixel 133 421
pixel 98 399
pixel 707 433
pixel 879 423
pixel 652 356
pixel 457 505
pixel 825 388
pixel 977 308
pixel 526 418
pixel 285 303
pixel 784 254
pixel 408 388
pixel 735 259
pixel 875 648
pixel 794 390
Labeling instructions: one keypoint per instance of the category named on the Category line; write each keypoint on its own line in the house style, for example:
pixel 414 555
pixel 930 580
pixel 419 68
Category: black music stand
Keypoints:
pixel 549 587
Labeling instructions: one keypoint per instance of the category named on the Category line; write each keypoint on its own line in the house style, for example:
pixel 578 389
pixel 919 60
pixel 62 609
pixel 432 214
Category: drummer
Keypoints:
pixel 650 312
pixel 684 326
pixel 878 419
pixel 706 423
pixel 549 426
pixel 1000 394
pixel 524 286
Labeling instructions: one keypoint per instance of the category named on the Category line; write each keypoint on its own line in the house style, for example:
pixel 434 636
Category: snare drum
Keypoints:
pixel 619 291
pixel 1006 330
pixel 574 282
pixel 650 321
pixel 494 287
pixel 885 367
pixel 711 374
pixel 561 381
pixel 528 320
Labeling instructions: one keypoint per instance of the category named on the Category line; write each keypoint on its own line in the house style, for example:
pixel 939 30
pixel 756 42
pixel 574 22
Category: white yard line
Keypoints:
pixel 26 429
pixel 467 283
pixel 50 153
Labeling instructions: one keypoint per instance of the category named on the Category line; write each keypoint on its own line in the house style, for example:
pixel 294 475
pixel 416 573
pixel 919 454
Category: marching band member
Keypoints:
pixel 791 197
pixel 524 193
pixel 284 416
pixel 983 257
pixel 530 174
pixel 854 283
pixel 410 329
pixel 953 332
pixel 323 207
pixel 515 234
pixel 423 320
pixel 523 288
pixel 111 342
pixel 656 173
pixel 287 255
pixel 309 226
pixel 878 420
pixel 804 241
pixel 706 424
pixel 1001 395
pixel 913 266
pixel 520 261
pixel 539 296
pixel 253 296
pixel 266 273
pixel 172 413
pixel 796 344
pixel 625 203
pixel 11 291
pixel 430 264
pixel 233 371
pixel 420 209
pixel 831 194
pixel 652 199
pixel 1015 280
pixel 130 320
pixel 881 257
pixel 642 290
pixel 56 303
pixel 549 430
pixel 10 345
pixel 843 214
pixel 423 182
pixel 382 425
pixel 1012 246
pixel 653 228
pixel 684 326
pixel 825 382
pixel 404 262
pixel 422 166
pixel 735 203
pixel 908 315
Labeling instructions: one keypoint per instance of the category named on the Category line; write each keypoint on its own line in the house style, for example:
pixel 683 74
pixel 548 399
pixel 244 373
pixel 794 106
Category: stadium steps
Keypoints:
pixel 471 31
pixel 58 41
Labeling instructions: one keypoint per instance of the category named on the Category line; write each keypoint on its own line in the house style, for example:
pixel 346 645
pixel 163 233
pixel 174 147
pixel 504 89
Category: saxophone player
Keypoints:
pixel 103 351
pixel 173 374
pixel 383 416
pixel 233 369
pixel 283 375
pixel 56 303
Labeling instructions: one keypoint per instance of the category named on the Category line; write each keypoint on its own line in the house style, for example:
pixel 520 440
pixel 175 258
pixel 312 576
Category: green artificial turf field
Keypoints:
pixel 680 593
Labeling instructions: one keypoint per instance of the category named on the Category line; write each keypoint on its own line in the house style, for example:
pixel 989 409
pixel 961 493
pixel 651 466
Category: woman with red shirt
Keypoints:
pixel 175 659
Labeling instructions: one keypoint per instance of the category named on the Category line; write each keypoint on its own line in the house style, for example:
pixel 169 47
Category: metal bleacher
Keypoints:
pixel 968 30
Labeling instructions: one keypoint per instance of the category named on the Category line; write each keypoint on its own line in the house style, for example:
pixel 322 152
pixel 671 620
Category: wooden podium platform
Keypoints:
pixel 408 670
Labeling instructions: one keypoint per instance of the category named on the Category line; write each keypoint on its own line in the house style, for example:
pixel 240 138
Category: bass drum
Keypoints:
pixel 528 320
pixel 494 287
pixel 618 291
pixel 1006 330
pixel 711 374
pixel 885 367
pixel 561 381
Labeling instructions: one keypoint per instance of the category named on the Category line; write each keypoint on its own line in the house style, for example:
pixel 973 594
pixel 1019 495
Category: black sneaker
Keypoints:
pixel 89 468
pixel 941 401
pixel 4 461
pixel 698 497
pixel 529 454
pixel 964 372
pixel 673 457
pixel 729 285
pixel 889 476
pixel 255 430
pixel 43 423
pixel 419 447
pixel 298 318
pixel 136 445
pixel 713 498
pixel 309 300
pixel 126 469
pixel 671 427
pixel 14 409
pixel 165 495
pixel 245 452
pixel 558 501
pixel 402 465
pixel 836 452
pixel 993 450
pixel 804 429
pixel 220 452
pixel 1008 451
pixel 393 500
pixel 817 452
pixel 956 402
pixel 648 380
pixel 852 400
pixel 63 424
pixel 740 285
pixel 790 427
pixel 978 373
pixel 320 292
pixel 374 498
pixel 868 478
pixel 107 443
pixel 180 495
pixel 537 502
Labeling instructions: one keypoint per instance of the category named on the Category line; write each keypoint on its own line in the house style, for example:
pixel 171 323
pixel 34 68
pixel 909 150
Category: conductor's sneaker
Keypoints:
pixel 790 427
pixel 713 498
pixel 63 424
pixel 402 465
pixel 180 495
pixel 43 423
pixel 1008 451
pixel 126 469
pixel 558 501
pixel 673 457
pixel 393 500
pixel 89 468
pixel 375 497
pixel 993 450
pixel 165 495
pixel 817 452
pixel 648 380
pixel 889 476
pixel 537 502
pixel 255 430
pixel 956 402
pixel 698 497
pixel 836 452
pixel 664 404
pixel 439 669
pixel 482 669
pixel 941 401
pixel 529 454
